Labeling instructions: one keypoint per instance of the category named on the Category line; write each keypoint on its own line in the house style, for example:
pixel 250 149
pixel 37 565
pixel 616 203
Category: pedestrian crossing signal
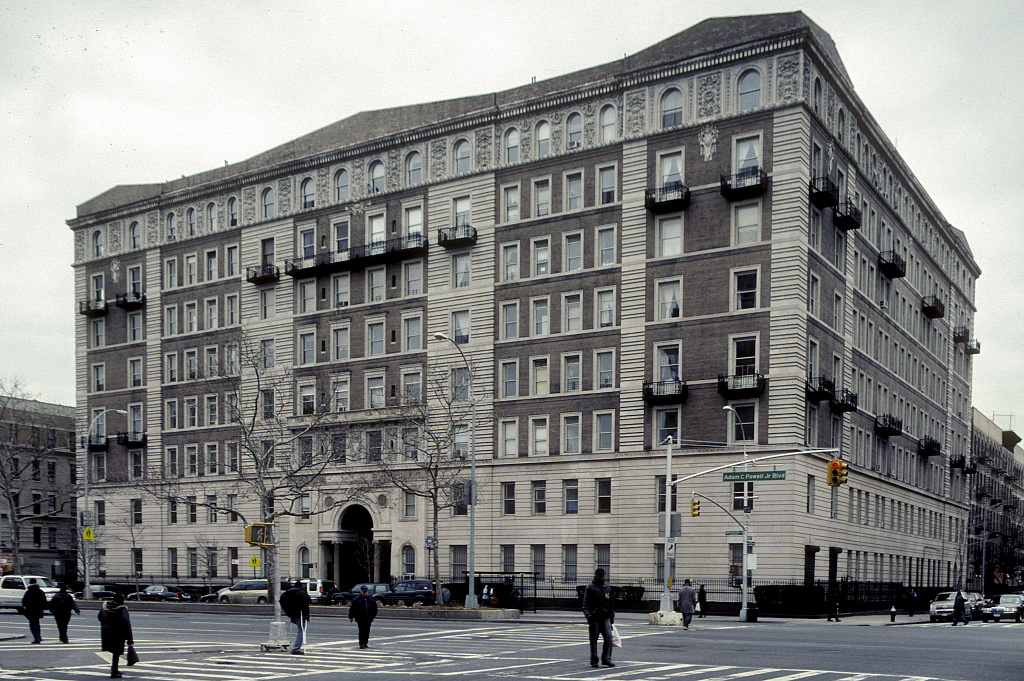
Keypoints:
pixel 260 534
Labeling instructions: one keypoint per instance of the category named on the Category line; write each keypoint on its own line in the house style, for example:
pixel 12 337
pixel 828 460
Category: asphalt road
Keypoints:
pixel 543 646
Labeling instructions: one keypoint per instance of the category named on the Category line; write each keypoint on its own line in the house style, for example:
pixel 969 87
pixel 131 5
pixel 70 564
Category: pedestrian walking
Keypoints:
pixel 363 610
pixel 960 609
pixel 597 608
pixel 33 605
pixel 61 605
pixel 687 601
pixel 702 601
pixel 833 609
pixel 295 603
pixel 115 630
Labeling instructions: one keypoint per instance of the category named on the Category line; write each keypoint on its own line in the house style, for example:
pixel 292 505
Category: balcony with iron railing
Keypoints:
pixel 93 307
pixel 672 197
pixel 843 401
pixel 958 462
pixel 317 264
pixel 819 388
pixel 745 184
pixel 961 334
pixel 891 264
pixel 131 300
pixel 973 347
pixel 933 307
pixel 887 425
pixel 459 236
pixel 824 193
pixel 929 446
pixel 739 386
pixel 665 392
pixel 131 440
pixel 98 443
pixel 846 216
pixel 262 274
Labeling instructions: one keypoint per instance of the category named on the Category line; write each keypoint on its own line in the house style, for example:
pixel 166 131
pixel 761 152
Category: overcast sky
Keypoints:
pixel 98 93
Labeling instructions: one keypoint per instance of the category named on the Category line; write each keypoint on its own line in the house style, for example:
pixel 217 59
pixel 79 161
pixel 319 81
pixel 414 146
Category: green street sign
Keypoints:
pixel 753 476
pixel 733 533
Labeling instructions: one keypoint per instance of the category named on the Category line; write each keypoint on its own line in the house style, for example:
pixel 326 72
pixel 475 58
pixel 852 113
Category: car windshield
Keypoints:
pixel 945 597
pixel 43 581
pixel 1008 600
pixel 154 588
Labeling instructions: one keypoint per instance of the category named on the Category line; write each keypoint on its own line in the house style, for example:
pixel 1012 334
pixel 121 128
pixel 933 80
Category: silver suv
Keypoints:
pixel 13 587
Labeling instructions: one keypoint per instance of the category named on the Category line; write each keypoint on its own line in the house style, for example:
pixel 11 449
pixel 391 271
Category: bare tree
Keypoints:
pixel 424 448
pixel 286 449
pixel 34 435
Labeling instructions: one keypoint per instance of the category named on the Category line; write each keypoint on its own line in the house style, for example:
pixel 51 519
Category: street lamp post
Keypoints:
pixel 746 515
pixel 471 600
pixel 87 588
pixel 666 594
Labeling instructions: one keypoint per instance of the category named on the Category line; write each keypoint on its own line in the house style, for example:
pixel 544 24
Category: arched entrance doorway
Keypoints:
pixel 356 554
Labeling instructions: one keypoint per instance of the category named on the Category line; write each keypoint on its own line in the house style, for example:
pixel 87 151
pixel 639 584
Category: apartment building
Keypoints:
pixel 613 257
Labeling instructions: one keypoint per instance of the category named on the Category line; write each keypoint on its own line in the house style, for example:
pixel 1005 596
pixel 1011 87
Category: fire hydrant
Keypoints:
pixel 892 614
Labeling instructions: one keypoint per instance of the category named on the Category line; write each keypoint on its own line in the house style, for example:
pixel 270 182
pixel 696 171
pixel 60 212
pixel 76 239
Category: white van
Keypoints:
pixel 13 587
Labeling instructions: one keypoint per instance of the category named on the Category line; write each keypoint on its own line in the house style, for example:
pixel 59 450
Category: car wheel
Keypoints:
pixel 224 599
pixel 933 619
pixel 261 599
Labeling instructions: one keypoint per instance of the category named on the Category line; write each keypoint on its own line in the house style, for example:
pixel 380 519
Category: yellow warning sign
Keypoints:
pixel 87 534
pixel 254 562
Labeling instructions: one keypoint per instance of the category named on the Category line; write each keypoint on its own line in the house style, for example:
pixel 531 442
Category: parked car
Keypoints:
pixel 1003 606
pixel 247 591
pixel 345 597
pixel 98 594
pixel 213 597
pixel 159 592
pixel 409 592
pixel 975 602
pixel 941 607
pixel 12 588
pixel 320 591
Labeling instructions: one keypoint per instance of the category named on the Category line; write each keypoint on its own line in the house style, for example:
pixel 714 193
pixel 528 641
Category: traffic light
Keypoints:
pixel 259 534
pixel 843 468
pixel 834 466
pixel 694 507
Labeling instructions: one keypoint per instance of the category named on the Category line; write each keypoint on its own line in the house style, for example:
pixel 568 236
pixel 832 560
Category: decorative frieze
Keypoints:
pixel 709 95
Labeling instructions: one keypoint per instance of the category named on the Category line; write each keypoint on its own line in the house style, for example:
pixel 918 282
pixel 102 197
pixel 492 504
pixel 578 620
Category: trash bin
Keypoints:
pixel 751 613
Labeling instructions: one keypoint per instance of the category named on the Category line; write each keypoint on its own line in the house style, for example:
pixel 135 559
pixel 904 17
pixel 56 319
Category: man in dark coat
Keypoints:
pixel 295 604
pixel 33 604
pixel 702 601
pixel 597 608
pixel 115 630
pixel 61 605
pixel 687 601
pixel 960 609
pixel 363 610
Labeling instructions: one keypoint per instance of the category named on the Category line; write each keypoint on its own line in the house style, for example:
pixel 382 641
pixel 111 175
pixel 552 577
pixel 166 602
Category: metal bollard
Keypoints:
pixel 892 614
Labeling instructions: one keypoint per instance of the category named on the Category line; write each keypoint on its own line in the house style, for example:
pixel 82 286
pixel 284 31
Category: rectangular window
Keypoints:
pixel 266 303
pixel 413 273
pixel 606 185
pixel 171 320
pixel 572 312
pixel 539 493
pixel 738 498
pixel 746 224
pixel 99 331
pixel 667 424
pixel 307 296
pixel 813 286
pixel 573 249
pixel 571 496
pixel 232 458
pixel 509 433
pixel 341 243
pixel 670 237
pixel 374 392
pixel 541 258
pixel 412 387
pixel 660 484
pixel 341 394
pixel 414 221
pixel 539 376
pixel 231 258
pixel 375 338
pixel 171 273
pixel 745 288
pixel 604 495
pixel 571 434
pixel 508 498
pixel 541 198
pixel 341 290
pixel 605 308
pixel 231 309
pixel 339 342
pixel 606 246
pixel 510 198
pixel 540 316
pixel 569 565
pixel 134 328
pixel 412 333
pixel 748 155
pixel 669 295
pixel 571 370
pixel 136 511
pixel 307 348
pixel 211 410
pixel 539 436
pixel 191 318
pixel 461 208
pixel 307 400
pixel 190 270
pixel 603 434
pixel 460 270
pixel 510 262
pixel 460 326
pixel 510 320
pixel 375 282
pixel 509 372
pixel 537 560
pixel 508 557
pixel 668 363
pixel 574 191
pixel 604 361
pixel 211 265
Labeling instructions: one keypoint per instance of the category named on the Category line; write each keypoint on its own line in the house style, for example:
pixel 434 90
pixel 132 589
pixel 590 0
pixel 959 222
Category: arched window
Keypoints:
pixel 376 177
pixel 211 217
pixel 134 235
pixel 817 96
pixel 512 145
pixel 462 156
pixel 671 108
pixel 543 139
pixel 233 211
pixel 172 226
pixel 97 244
pixel 413 168
pixel 305 565
pixel 308 192
pixel 608 124
pixel 341 185
pixel 574 128
pixel 190 221
pixel 408 562
pixel 840 126
pixel 268 202
pixel 750 90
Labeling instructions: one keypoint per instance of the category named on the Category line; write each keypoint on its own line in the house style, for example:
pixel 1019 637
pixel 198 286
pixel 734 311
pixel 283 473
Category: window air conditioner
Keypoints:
pixel 884 304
